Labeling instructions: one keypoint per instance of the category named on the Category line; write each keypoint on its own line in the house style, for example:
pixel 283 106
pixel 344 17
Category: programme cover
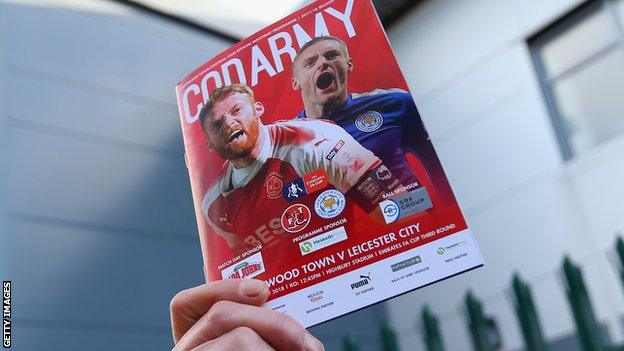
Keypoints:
pixel 311 168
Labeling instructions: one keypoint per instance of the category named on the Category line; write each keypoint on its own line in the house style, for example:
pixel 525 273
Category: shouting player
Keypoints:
pixel 384 121
pixel 248 206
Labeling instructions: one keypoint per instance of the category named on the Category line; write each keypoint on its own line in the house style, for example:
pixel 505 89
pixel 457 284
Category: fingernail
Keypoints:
pixel 312 343
pixel 252 287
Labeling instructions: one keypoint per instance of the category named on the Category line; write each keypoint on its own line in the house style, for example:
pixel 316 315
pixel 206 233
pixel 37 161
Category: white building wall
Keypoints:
pixel 100 227
pixel 3 240
pixel 469 68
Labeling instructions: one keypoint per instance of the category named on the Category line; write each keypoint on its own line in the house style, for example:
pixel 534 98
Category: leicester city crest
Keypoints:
pixel 369 121
pixel 330 203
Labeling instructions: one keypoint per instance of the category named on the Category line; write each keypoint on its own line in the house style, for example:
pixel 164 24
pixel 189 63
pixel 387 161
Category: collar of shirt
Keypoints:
pixel 238 177
pixel 344 106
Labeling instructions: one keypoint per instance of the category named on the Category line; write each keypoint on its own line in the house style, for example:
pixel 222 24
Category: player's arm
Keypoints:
pixel 369 191
pixel 379 91
pixel 353 169
pixel 217 219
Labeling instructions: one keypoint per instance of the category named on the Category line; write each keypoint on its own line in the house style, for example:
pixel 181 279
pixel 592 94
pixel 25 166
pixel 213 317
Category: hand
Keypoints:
pixel 225 315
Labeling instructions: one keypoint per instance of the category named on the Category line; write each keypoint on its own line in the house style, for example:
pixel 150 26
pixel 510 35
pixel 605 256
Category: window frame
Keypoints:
pixel 552 31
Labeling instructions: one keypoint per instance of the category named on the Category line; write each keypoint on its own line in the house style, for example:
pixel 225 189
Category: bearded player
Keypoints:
pixel 383 121
pixel 246 206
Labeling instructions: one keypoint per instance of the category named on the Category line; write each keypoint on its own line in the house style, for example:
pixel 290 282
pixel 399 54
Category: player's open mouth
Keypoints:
pixel 235 135
pixel 324 81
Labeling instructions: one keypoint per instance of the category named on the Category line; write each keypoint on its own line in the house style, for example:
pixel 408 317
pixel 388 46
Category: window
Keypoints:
pixel 580 62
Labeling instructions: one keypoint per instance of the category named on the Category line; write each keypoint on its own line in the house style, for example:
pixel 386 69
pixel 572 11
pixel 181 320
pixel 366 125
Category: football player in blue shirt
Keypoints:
pixel 384 121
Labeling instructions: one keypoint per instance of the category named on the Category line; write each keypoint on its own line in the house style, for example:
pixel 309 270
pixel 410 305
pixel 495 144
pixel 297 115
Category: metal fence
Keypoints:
pixel 483 329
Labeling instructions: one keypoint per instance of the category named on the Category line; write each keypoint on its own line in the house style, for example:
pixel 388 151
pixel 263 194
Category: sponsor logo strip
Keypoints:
pixel 365 279
pixel 405 204
pixel 412 261
pixel 349 291
pixel 308 184
pixel 247 268
pixel 324 240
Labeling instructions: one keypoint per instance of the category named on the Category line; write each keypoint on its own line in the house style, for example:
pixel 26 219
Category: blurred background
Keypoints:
pixel 524 101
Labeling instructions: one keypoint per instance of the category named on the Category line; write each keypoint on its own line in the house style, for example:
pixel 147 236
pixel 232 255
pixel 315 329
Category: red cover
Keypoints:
pixel 312 163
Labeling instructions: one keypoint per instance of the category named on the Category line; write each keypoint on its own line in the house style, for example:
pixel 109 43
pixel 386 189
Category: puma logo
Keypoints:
pixel 318 143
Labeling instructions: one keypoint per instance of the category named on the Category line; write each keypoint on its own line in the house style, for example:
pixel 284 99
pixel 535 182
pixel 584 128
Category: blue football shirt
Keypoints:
pixel 385 122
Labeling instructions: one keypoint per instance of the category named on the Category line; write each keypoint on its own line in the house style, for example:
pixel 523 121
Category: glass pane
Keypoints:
pixel 579 41
pixel 590 101
pixel 619 9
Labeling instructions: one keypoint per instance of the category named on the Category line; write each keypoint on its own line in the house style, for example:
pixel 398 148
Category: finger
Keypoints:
pixel 188 306
pixel 241 338
pixel 312 343
pixel 277 329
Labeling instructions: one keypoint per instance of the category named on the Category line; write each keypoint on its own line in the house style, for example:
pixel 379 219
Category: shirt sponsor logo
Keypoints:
pixel 295 218
pixel 369 121
pixel 248 268
pixel 334 151
pixel 390 210
pixel 330 203
pixel 274 185
pixel 323 240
